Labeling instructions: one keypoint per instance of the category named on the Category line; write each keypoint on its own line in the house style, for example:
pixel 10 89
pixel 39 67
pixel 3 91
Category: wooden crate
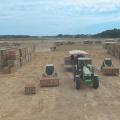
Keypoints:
pixel 29 57
pixel 3 58
pixel 110 71
pixel 87 42
pixel 49 81
pixel 67 61
pixel 13 69
pixel 13 54
pixel 23 61
pixel 114 49
pixel 4 44
pixel 14 63
pixel 30 90
pixel 8 70
pixel 107 44
pixel 59 43
pixel 22 51
pixel 118 50
pixel 53 48
pixel 2 63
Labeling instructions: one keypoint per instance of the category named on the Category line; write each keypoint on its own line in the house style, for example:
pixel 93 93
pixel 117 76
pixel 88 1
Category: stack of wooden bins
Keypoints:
pixel 31 51
pixel 106 44
pixel 22 51
pixel 110 48
pixel 28 55
pixel 114 49
pixel 117 51
pixel 114 53
pixel 13 59
pixel 3 58
pixel 1 61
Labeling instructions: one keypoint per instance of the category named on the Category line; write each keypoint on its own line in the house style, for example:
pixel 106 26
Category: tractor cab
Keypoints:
pixel 84 61
pixel 80 63
pixel 108 62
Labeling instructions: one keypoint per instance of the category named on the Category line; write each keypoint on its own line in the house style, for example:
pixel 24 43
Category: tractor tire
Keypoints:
pixel 96 83
pixel 74 77
pixel 77 80
pixel 74 74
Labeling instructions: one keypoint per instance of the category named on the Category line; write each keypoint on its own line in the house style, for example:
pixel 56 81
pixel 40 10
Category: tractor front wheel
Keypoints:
pixel 96 83
pixel 74 73
pixel 77 80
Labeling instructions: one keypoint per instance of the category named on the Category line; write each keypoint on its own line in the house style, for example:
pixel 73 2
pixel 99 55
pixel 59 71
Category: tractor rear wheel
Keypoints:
pixel 74 73
pixel 77 80
pixel 96 83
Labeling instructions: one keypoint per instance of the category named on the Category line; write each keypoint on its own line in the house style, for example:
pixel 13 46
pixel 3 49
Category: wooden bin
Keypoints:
pixel 30 87
pixel 30 90
pixel 14 63
pixel 13 54
pixel 49 81
pixel 3 58
pixel 8 70
pixel 114 49
pixel 110 71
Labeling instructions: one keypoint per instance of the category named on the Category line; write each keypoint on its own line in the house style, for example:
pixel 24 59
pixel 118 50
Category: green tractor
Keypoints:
pixel 84 73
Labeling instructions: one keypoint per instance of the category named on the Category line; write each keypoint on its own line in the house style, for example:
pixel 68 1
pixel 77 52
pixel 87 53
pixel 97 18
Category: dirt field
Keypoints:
pixel 63 102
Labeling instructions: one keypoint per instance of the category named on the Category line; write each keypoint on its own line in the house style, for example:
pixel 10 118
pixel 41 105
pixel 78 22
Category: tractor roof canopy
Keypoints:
pixel 107 58
pixel 78 52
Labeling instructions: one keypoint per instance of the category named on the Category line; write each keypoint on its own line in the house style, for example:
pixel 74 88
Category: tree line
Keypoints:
pixel 114 33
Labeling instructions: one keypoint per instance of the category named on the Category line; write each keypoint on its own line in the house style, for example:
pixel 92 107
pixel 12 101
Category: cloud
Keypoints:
pixel 84 10
pixel 92 5
pixel 79 5
pixel 54 15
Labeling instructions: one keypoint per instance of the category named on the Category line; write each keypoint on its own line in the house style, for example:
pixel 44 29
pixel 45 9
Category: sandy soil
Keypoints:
pixel 63 102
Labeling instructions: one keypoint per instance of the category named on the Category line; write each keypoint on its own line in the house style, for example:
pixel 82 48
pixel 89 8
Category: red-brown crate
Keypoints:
pixel 49 81
pixel 110 71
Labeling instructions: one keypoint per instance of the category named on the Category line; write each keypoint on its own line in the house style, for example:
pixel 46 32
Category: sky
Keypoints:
pixel 52 17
